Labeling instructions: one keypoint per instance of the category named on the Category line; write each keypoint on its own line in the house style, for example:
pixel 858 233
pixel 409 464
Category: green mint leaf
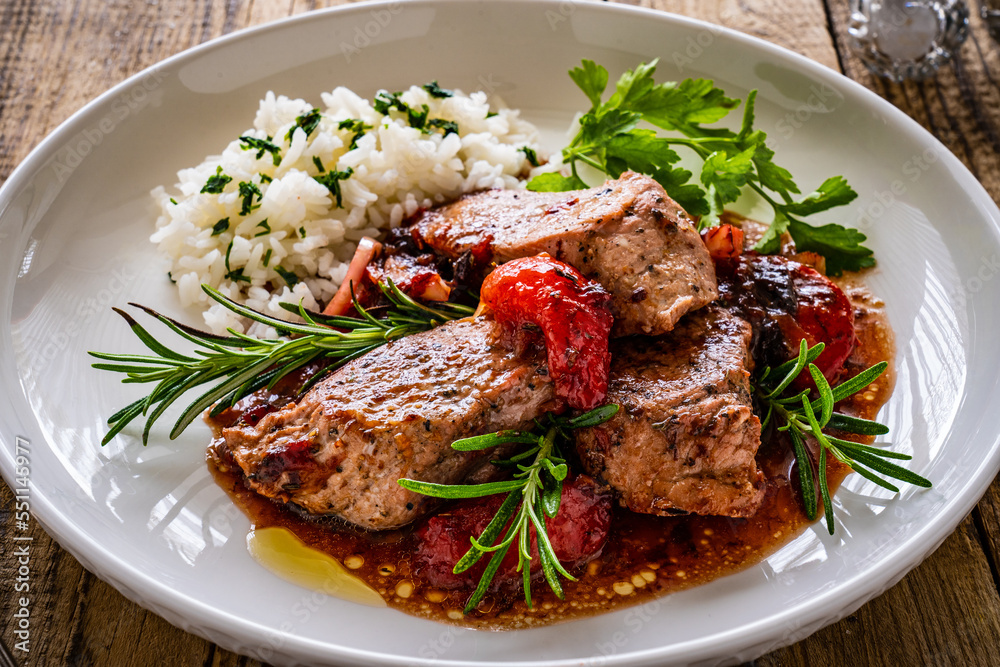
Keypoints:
pixel 841 246
pixel 592 80
pixel 553 182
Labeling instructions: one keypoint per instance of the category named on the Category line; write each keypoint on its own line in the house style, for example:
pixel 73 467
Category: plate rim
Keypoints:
pixel 810 615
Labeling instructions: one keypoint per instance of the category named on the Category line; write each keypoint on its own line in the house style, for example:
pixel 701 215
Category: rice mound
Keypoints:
pixel 251 246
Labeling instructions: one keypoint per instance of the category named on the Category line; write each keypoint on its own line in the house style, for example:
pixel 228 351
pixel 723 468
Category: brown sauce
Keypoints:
pixel 645 556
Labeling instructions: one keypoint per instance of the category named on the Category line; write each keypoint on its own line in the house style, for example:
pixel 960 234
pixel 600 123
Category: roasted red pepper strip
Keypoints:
pixel 724 242
pixel 572 313
pixel 824 315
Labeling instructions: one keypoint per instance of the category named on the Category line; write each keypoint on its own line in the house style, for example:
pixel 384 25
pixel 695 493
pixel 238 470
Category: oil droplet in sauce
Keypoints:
pixel 281 552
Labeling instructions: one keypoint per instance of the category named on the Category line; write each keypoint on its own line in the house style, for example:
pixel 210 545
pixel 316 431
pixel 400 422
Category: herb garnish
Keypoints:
pixel 802 418
pixel 236 275
pixel 434 90
pixel 449 126
pixel 261 146
pixel 215 184
pixel 239 365
pixel 247 191
pixel 307 121
pixel 533 494
pixel 332 179
pixel 610 140
pixel 319 164
pixel 265 228
pixel 385 101
pixel 418 119
pixel 220 226
pixel 530 155
pixel 357 126
pixel 288 276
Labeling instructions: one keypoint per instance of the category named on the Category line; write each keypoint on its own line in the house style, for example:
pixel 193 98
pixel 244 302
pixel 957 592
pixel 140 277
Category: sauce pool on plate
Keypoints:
pixel 645 556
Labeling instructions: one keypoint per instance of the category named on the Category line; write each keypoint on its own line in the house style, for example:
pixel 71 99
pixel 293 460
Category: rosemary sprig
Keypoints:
pixel 533 493
pixel 238 365
pixel 803 418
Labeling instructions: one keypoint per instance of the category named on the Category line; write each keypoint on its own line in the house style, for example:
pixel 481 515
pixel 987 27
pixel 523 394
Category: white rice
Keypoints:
pixel 296 224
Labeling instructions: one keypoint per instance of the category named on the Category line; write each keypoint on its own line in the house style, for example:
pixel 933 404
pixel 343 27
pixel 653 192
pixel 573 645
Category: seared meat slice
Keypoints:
pixel 627 234
pixel 390 414
pixel 686 435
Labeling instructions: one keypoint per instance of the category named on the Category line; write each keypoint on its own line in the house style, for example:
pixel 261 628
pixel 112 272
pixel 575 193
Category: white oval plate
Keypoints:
pixel 74 222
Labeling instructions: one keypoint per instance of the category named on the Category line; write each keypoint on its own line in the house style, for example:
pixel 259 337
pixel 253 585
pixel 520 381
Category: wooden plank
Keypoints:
pixel 800 26
pixel 54 59
pixel 945 611
pixel 961 106
pixel 917 622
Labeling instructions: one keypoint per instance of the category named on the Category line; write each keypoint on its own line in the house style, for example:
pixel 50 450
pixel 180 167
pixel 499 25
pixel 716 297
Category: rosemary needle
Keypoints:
pixel 237 365
pixel 803 418
pixel 533 493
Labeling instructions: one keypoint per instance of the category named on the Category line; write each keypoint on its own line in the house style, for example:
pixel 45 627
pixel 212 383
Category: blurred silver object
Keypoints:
pixel 907 39
pixel 990 11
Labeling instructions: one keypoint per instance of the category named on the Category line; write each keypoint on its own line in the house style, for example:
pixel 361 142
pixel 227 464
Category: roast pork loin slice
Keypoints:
pixel 627 234
pixel 686 435
pixel 394 413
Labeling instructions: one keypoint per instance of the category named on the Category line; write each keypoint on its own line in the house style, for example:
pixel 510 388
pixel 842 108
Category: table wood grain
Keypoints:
pixel 57 55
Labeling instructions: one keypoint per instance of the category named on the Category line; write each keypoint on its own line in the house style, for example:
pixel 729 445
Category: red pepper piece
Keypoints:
pixel 572 313
pixel 724 242
pixel 824 315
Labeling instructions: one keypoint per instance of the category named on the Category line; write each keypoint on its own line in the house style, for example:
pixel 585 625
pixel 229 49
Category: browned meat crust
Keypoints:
pixel 627 235
pixel 686 435
pixel 390 414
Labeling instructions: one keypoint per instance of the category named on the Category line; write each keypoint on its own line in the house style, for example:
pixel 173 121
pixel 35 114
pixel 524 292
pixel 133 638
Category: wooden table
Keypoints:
pixel 57 55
